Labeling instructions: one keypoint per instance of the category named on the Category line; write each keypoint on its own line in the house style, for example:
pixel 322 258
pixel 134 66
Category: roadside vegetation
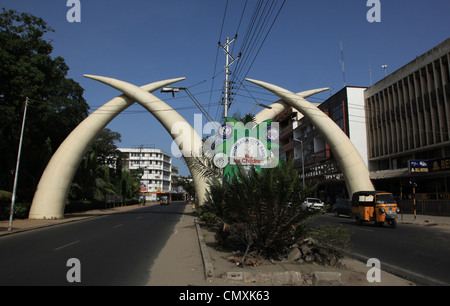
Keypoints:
pixel 258 213
pixel 56 106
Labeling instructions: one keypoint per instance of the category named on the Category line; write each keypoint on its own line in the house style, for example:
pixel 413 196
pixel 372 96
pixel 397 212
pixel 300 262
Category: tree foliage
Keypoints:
pixel 102 171
pixel 56 107
pixel 105 146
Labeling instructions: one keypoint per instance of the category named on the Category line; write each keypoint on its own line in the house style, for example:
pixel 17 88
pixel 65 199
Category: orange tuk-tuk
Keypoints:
pixel 377 206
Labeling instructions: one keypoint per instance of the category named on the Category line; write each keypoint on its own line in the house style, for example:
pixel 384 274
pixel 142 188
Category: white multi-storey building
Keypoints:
pixel 157 167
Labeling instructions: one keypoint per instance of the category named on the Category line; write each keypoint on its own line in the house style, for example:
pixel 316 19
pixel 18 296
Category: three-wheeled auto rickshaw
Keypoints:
pixel 377 206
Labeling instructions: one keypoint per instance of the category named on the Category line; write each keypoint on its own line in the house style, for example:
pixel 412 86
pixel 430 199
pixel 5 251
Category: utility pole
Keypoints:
pixel 228 63
pixel 13 198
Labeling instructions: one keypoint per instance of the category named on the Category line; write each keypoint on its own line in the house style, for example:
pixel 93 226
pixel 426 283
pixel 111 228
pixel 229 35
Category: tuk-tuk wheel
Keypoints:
pixel 393 224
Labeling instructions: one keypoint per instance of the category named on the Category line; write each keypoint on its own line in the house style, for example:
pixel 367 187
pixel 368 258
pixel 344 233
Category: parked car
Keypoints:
pixel 342 207
pixel 164 200
pixel 312 203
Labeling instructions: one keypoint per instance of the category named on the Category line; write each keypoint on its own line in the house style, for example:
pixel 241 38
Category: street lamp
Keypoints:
pixel 259 104
pixel 385 71
pixel 173 90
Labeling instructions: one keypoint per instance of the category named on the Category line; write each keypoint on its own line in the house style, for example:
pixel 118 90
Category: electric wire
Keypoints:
pixel 263 19
pixel 217 55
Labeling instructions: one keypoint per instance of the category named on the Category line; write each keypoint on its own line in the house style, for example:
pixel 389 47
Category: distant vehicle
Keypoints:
pixel 342 207
pixel 312 203
pixel 377 206
pixel 164 200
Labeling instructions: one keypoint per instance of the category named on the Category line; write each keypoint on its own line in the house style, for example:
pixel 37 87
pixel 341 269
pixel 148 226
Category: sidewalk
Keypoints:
pixel 190 257
pixel 423 220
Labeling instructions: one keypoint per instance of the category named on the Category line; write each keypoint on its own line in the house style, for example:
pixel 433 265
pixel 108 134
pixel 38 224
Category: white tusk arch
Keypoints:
pixel 51 194
pixel 187 139
pixel 280 106
pixel 355 171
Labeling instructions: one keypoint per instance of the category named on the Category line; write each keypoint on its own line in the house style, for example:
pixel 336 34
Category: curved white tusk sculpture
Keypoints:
pixel 355 172
pixel 187 139
pixel 280 106
pixel 51 194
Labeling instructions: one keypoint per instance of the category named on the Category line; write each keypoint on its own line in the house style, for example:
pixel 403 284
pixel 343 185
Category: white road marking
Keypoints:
pixel 61 247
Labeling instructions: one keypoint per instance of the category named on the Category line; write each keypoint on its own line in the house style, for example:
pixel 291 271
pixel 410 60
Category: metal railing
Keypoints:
pixel 426 207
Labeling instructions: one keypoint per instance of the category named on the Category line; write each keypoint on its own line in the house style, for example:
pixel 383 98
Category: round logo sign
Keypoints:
pixel 225 131
pixel 220 160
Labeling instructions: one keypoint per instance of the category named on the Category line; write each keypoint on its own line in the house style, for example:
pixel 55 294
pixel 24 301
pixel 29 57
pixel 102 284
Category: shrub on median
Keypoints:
pixel 259 211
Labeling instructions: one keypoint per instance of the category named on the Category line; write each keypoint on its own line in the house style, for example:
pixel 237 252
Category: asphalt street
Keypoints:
pixel 116 249
pixel 419 252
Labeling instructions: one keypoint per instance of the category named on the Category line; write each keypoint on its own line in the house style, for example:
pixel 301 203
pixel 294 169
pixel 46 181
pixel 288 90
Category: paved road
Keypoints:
pixel 422 252
pixel 116 249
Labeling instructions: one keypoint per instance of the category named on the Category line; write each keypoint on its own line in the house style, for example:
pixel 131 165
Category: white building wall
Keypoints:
pixel 157 166
pixel 357 120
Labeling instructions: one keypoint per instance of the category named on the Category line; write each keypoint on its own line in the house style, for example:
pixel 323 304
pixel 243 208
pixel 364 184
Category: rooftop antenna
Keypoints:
pixel 342 61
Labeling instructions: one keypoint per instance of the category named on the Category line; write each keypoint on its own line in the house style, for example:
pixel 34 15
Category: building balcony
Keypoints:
pixel 287 131
pixel 287 147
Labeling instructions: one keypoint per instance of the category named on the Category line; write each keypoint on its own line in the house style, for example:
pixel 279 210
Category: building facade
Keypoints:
pixel 288 122
pixel 156 165
pixel 312 154
pixel 408 122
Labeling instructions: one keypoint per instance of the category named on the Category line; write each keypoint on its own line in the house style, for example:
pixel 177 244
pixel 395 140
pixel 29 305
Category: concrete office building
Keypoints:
pixel 408 124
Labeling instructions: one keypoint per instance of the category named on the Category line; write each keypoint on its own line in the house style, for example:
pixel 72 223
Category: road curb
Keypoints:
pixel 206 257
pixel 285 278
pixel 416 278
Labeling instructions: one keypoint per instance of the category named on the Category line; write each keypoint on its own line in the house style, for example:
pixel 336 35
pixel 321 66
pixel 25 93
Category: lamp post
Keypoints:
pixel 173 90
pixel 413 183
pixel 303 161
pixel 303 165
pixel 16 174
pixel 259 104
pixel 385 71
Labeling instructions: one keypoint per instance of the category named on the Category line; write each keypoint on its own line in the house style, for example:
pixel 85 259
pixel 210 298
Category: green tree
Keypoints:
pixel 130 183
pixel 56 107
pixel 92 181
pixel 244 119
pixel 105 146
pixel 102 171
pixel 187 183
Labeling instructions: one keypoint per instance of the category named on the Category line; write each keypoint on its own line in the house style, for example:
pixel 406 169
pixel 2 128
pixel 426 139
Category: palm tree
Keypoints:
pixel 129 184
pixel 92 179
pixel 244 119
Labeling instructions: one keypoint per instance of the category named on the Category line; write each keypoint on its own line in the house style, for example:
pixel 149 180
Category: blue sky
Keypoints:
pixel 145 41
